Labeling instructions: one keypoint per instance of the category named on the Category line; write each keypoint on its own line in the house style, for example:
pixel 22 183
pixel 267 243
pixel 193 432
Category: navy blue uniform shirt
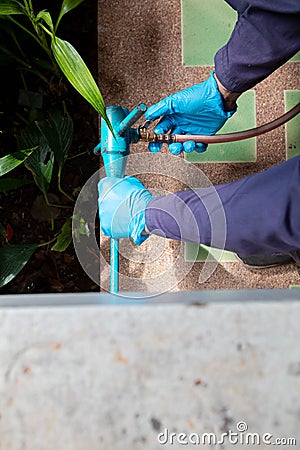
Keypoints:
pixel 262 211
pixel 266 35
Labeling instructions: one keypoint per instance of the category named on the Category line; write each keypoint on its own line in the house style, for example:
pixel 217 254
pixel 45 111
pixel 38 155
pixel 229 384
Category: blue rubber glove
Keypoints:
pixel 122 204
pixel 196 110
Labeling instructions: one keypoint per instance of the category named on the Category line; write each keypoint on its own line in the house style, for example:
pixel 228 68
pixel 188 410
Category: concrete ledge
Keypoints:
pixel 140 298
pixel 102 377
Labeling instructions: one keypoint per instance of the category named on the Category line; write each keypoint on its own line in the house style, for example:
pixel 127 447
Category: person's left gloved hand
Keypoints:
pixel 122 204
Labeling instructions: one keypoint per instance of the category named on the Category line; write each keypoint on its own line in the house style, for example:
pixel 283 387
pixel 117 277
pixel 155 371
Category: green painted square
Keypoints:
pixel 206 27
pixel 296 57
pixel 240 151
pixel 190 251
pixel 292 128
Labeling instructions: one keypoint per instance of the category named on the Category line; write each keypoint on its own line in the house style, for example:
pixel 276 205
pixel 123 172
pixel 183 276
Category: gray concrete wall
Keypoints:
pixel 90 375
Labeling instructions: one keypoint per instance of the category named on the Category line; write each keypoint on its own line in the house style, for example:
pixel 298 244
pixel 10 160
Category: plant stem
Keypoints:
pixel 53 205
pixel 54 63
pixel 18 45
pixel 22 118
pixel 46 198
pixel 48 242
pixel 16 58
pixel 24 81
pixel 40 38
pixel 75 156
pixel 24 29
pixel 30 5
pixel 60 188
pixel 46 30
pixel 39 75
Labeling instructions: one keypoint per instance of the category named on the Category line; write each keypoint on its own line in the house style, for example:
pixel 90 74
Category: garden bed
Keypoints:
pixel 23 212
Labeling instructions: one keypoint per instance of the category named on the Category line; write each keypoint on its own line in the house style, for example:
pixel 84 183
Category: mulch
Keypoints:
pixel 50 271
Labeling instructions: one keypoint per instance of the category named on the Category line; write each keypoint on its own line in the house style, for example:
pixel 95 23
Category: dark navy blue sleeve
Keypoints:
pixel 261 211
pixel 266 35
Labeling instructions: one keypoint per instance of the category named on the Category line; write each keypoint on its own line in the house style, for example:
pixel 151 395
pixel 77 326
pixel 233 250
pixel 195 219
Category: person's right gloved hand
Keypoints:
pixel 198 109
pixel 122 206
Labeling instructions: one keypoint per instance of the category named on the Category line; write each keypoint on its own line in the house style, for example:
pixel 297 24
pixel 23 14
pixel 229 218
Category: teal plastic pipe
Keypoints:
pixel 114 266
pixel 114 151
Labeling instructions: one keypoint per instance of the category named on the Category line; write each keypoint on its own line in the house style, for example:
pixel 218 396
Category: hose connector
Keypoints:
pixel 149 136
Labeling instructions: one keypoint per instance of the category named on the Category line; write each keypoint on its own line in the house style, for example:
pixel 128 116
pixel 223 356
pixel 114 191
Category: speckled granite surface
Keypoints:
pixel 140 60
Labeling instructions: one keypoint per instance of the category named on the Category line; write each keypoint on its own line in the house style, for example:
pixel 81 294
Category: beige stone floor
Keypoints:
pixel 140 60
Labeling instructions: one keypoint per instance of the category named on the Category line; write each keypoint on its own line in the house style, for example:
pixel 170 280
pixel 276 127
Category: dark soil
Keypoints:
pixel 50 271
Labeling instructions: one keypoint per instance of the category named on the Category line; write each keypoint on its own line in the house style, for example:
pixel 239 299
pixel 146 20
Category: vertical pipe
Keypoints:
pixel 114 265
pixel 114 150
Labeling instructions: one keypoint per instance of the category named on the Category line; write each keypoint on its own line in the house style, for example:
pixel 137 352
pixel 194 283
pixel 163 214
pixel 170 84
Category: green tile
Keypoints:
pixel 241 151
pixel 195 252
pixel 206 27
pixel 292 128
pixel 296 57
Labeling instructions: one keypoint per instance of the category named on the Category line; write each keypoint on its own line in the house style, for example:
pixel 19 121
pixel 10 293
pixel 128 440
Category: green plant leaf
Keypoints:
pixel 9 162
pixel 64 239
pixel 13 259
pixel 40 169
pixel 57 129
pixel 10 184
pixel 46 17
pixel 78 74
pixel 41 162
pixel 8 7
pixel 80 227
pixel 67 6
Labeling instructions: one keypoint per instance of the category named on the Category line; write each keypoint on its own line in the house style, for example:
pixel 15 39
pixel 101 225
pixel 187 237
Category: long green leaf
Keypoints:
pixel 10 184
pixel 13 259
pixel 41 170
pixel 9 162
pixel 46 17
pixel 8 7
pixel 41 162
pixel 57 129
pixel 64 238
pixel 78 74
pixel 67 6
